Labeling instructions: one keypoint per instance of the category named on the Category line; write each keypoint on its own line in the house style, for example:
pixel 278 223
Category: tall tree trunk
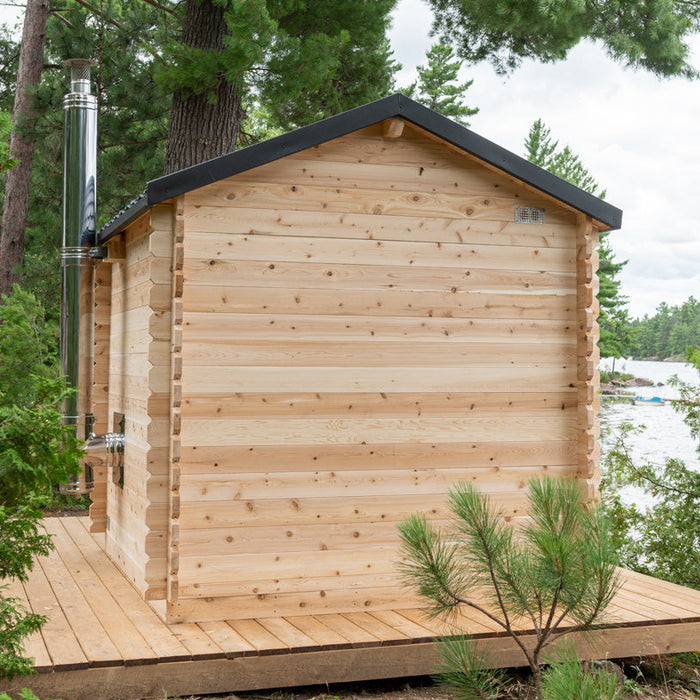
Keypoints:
pixel 16 203
pixel 203 125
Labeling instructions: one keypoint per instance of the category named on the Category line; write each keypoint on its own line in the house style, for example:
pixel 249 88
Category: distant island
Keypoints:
pixel 665 335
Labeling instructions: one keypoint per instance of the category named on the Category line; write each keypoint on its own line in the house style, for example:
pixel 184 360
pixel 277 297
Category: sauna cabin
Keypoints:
pixel 307 340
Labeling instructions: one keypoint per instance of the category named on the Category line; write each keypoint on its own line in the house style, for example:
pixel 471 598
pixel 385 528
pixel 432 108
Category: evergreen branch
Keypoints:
pixel 512 582
pixel 106 147
pixel 61 18
pixel 160 6
pixel 505 624
pixel 477 531
pixel 643 475
pixel 548 626
pixel 99 13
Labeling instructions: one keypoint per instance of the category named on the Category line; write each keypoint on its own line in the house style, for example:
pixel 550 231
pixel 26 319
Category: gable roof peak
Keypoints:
pixel 396 105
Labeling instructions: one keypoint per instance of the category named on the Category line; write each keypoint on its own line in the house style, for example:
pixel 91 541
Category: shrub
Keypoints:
pixel 558 574
pixel 36 451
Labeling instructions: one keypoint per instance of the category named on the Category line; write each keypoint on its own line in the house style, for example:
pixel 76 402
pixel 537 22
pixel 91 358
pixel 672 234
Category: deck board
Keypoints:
pixel 383 632
pixel 161 639
pixel 118 635
pixel 325 637
pixel 262 640
pixel 228 640
pixel 285 631
pixel 34 645
pixel 103 640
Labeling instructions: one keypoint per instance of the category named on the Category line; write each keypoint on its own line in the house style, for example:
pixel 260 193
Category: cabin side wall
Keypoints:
pixel 100 389
pixel 364 325
pixel 139 390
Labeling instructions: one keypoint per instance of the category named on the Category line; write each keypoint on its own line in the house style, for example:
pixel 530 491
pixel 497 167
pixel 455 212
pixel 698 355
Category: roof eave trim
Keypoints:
pixel 134 210
pixel 397 105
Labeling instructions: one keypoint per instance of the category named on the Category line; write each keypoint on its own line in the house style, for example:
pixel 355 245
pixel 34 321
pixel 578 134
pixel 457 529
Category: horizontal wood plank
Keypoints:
pixel 236 192
pixel 290 222
pixel 276 327
pixel 228 380
pixel 337 277
pixel 372 304
pixel 288 512
pixel 359 484
pixel 215 249
pixel 216 352
pixel 376 404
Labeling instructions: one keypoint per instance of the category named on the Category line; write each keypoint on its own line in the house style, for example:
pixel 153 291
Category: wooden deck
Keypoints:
pixel 103 641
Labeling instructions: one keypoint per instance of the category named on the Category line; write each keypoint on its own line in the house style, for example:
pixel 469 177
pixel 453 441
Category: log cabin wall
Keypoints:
pixel 363 324
pixel 139 393
pixel 100 389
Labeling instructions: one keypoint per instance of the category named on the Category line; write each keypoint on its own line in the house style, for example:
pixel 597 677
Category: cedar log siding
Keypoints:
pixel 139 388
pixel 362 325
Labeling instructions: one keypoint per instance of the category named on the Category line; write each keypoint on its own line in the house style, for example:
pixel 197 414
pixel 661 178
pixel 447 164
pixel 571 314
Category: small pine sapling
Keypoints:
pixel 557 574
pixel 566 677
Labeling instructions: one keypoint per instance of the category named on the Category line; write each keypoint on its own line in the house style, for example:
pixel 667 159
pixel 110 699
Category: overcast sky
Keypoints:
pixel 637 135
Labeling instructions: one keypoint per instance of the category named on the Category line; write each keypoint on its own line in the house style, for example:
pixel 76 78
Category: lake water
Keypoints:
pixel 666 435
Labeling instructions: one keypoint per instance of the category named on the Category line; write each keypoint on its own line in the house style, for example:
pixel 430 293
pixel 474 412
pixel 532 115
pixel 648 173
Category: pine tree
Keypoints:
pixel 126 39
pixel 557 574
pixel 437 86
pixel 16 199
pixel 301 61
pixel 648 34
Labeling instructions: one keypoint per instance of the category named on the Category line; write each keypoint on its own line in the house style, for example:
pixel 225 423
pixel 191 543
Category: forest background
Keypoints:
pixel 133 131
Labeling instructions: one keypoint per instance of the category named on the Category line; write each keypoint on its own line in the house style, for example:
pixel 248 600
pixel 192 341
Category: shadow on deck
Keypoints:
pixel 103 641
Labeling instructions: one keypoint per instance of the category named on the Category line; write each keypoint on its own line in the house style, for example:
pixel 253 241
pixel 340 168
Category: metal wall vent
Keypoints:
pixel 529 215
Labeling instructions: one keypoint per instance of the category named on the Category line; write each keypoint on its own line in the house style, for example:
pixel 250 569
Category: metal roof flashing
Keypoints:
pixel 397 105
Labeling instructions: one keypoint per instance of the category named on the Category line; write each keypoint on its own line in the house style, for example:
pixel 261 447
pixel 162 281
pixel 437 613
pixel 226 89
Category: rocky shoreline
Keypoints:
pixel 617 387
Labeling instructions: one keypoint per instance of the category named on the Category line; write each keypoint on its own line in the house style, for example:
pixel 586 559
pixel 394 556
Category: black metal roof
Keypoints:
pixel 397 105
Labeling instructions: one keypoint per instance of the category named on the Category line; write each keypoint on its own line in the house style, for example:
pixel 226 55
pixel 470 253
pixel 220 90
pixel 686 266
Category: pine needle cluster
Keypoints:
pixel 556 574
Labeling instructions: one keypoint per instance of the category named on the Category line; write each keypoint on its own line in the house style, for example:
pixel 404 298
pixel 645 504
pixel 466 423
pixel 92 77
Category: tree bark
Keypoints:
pixel 203 125
pixel 16 202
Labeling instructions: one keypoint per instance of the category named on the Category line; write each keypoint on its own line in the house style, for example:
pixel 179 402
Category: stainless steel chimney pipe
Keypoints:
pixel 77 275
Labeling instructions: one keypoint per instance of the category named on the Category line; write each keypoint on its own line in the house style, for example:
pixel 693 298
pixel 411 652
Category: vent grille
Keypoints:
pixel 80 71
pixel 529 215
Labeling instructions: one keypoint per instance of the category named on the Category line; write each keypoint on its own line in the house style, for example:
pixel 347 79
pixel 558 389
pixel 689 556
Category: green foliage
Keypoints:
pixel 28 348
pixel 663 539
pixel 15 625
pixel 24 694
pixel 616 333
pixel 562 162
pixel 21 537
pixel 437 86
pixel 126 39
pixel 649 34
pixel 560 566
pixel 257 126
pixel 36 451
pixel 5 128
pixel 297 62
pixel 668 332
pixel 607 376
pixel 688 402
pixel 566 679
pixel 465 672
pixel 326 57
